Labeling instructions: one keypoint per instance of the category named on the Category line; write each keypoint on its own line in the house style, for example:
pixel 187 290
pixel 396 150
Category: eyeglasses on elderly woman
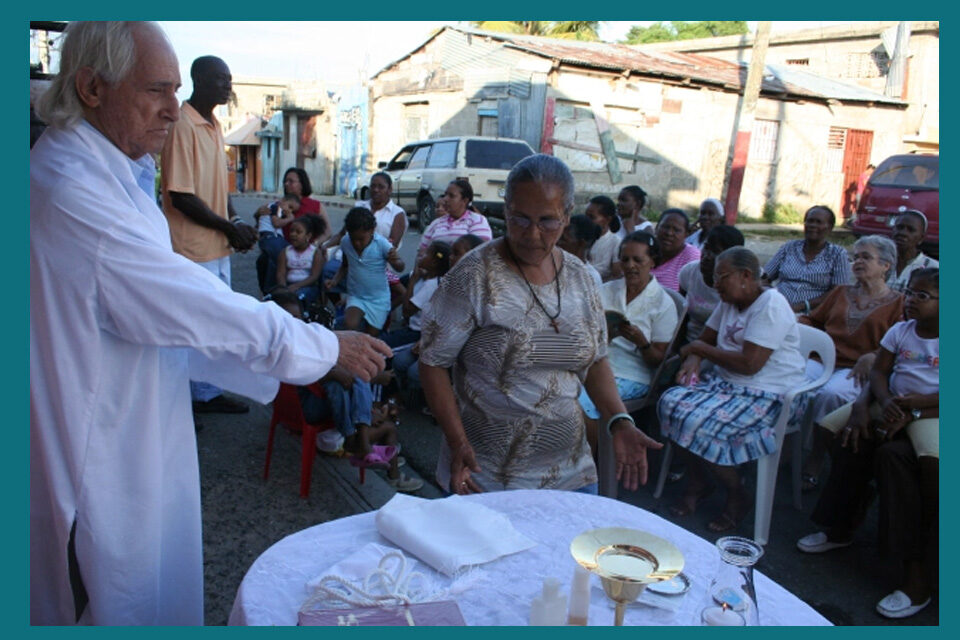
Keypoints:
pixel 544 224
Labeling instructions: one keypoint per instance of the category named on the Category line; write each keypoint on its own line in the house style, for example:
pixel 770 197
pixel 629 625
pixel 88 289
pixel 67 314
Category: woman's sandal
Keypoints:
pixel 688 504
pixel 727 521
pixel 378 458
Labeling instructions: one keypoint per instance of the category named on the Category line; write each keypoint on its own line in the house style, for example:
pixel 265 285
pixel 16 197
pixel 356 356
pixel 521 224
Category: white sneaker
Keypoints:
pixel 405 484
pixel 818 543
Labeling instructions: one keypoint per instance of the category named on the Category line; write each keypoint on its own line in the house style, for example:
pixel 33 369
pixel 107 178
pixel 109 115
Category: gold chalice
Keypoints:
pixel 627 561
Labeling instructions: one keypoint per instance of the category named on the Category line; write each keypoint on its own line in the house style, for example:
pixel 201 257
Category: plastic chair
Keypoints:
pixel 660 380
pixel 811 341
pixel 287 410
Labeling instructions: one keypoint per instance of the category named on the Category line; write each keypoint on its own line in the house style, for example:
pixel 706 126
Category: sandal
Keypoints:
pixel 723 523
pixel 378 458
pixel 810 483
pixel 688 503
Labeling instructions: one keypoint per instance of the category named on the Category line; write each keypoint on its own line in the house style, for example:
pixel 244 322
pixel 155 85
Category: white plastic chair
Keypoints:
pixel 607 467
pixel 811 341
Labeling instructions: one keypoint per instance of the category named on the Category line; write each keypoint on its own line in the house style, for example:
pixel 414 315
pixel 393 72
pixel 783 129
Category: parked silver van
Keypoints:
pixel 422 170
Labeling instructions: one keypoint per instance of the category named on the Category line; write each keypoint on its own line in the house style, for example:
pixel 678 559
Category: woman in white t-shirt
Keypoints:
pixel 630 203
pixel 603 253
pixel 726 420
pixel 891 434
pixel 639 342
pixel 696 278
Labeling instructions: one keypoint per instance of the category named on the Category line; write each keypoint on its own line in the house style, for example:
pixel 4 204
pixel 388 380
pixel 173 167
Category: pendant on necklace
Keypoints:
pixel 556 327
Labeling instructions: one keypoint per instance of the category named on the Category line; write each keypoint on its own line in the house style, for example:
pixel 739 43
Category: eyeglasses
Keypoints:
pixel 922 296
pixel 866 257
pixel 544 224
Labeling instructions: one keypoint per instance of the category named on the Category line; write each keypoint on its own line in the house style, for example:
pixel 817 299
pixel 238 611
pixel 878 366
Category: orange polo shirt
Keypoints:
pixel 194 161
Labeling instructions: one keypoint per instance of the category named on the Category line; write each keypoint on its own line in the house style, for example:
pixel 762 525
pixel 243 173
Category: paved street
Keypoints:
pixel 243 515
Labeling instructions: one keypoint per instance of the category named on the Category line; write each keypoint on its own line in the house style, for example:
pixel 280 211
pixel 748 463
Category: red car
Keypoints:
pixel 909 181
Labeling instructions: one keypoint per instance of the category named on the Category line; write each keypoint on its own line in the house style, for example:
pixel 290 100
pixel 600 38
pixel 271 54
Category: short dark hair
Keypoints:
pixel 928 274
pixel 584 229
pixel 638 194
pixel 725 236
pixel 314 224
pixel 386 178
pixel 441 252
pixel 675 212
pixel 359 219
pixel 202 65
pixel 305 188
pixel 473 241
pixel 466 191
pixel 291 196
pixel 609 210
pixel 646 239
pixel 822 207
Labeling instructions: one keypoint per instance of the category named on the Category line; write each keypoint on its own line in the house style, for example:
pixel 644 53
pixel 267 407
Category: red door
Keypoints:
pixel 856 156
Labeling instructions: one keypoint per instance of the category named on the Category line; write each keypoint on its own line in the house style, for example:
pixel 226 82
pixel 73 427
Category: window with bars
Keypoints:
pixel 763 141
pixel 836 143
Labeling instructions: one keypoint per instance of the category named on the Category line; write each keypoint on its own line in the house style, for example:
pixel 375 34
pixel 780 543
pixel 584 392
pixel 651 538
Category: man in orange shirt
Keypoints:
pixel 203 224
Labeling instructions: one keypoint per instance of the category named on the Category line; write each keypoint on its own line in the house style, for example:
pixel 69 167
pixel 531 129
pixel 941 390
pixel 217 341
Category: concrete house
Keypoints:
pixel 671 117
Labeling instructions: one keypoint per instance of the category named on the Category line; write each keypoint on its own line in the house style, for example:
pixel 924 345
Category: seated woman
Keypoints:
pixel 805 270
pixel 855 317
pixel 892 433
pixel 639 342
pixel 711 215
pixel 675 253
pixel 603 253
pixel 908 233
pixel 458 218
pixel 726 420
pixel 696 278
pixel 577 239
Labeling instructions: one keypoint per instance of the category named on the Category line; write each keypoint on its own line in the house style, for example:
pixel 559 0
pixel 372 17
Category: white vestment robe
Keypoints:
pixel 119 324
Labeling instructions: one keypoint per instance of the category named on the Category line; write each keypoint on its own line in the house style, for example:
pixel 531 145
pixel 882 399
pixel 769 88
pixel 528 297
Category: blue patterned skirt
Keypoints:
pixel 721 422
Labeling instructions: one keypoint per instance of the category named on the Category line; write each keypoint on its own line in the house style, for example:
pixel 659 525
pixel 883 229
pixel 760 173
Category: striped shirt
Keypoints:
pixel 449 230
pixel 668 273
pixel 799 280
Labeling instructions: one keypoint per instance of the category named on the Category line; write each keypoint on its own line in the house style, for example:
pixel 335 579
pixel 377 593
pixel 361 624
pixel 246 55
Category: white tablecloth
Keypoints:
pixel 500 592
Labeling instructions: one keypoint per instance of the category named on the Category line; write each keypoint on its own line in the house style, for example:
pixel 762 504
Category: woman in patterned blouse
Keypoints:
pixel 805 270
pixel 521 325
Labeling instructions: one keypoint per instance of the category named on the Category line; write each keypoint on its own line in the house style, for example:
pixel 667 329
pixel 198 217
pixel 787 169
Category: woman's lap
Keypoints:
pixel 627 389
pixel 721 422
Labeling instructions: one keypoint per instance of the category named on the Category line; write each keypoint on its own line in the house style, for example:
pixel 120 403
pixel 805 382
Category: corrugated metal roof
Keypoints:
pixel 683 67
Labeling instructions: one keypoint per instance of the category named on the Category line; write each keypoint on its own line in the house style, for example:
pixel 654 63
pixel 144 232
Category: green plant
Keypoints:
pixel 781 213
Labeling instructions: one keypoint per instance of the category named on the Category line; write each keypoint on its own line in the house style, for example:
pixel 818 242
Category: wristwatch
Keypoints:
pixel 916 414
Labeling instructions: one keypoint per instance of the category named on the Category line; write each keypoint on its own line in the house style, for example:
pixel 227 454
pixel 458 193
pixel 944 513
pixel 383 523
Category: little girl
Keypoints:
pixel 366 254
pixel 463 245
pixel 892 432
pixel 603 254
pixel 300 264
pixel 424 281
pixel 270 221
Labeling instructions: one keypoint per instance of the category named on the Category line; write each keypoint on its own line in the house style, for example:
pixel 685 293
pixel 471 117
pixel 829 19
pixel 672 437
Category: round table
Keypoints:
pixel 499 593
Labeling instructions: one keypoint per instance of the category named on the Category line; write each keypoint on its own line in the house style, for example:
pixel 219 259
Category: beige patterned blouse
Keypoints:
pixel 515 378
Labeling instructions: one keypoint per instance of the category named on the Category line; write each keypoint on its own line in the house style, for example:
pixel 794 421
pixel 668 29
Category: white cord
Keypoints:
pixel 383 586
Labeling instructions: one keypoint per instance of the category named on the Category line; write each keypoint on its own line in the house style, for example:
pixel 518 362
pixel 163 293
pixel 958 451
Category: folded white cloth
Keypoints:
pixel 450 533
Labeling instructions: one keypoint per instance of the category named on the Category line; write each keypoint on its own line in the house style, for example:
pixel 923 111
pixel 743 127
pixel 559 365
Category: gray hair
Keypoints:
pixel 886 249
pixel 107 47
pixel 543 169
pixel 741 259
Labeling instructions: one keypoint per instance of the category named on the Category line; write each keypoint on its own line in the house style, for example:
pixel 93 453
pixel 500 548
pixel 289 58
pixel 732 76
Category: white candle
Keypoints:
pixel 722 617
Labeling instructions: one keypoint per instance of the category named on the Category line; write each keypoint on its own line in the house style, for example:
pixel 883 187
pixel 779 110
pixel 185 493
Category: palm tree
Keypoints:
pixel 566 29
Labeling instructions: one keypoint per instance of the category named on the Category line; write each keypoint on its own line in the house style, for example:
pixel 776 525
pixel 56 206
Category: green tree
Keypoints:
pixel 684 30
pixel 569 29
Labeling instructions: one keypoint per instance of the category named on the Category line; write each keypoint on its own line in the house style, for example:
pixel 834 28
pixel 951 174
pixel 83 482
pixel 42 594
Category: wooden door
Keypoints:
pixel 856 156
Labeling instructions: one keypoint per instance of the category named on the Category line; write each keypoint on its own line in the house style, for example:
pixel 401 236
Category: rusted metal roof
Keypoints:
pixel 684 68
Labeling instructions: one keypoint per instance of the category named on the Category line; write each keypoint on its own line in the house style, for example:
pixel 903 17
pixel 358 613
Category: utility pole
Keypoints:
pixel 748 107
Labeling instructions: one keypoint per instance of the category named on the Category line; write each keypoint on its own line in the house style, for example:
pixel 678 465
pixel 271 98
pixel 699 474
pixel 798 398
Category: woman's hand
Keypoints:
pixel 861 370
pixel 462 463
pixel 630 451
pixel 689 368
pixel 634 334
pixel 892 412
pixel 857 427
